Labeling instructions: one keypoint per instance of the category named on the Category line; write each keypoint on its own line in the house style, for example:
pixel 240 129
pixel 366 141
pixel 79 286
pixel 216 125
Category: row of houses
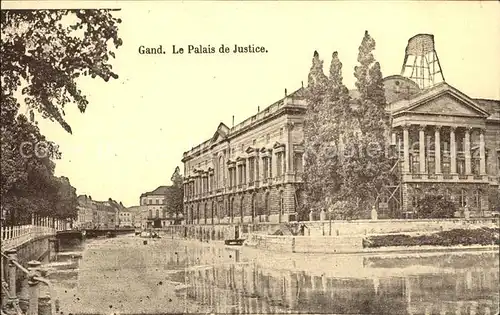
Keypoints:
pixel 102 214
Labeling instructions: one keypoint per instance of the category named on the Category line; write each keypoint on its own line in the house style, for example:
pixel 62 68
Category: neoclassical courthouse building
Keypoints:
pixel 252 172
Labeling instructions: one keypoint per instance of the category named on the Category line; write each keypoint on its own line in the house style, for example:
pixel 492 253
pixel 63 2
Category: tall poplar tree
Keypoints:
pixel 334 119
pixel 315 96
pixel 366 168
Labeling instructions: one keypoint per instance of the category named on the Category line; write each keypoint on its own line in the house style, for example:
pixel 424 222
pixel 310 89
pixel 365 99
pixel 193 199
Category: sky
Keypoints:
pixel 136 128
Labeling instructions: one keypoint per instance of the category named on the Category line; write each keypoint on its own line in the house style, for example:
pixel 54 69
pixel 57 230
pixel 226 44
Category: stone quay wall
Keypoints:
pixel 320 236
pixel 306 244
pixel 374 227
pixel 330 228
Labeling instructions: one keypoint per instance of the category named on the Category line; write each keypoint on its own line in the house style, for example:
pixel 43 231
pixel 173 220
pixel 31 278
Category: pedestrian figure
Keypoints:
pixel 302 229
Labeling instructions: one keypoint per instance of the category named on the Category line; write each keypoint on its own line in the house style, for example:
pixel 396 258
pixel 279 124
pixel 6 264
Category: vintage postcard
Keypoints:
pixel 284 157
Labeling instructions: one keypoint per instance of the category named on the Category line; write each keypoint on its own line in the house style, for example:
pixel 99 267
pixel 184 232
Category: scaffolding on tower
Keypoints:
pixel 421 63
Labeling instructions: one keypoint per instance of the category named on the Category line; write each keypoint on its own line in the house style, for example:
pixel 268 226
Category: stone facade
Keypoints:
pixel 152 208
pixel 444 138
pixel 250 172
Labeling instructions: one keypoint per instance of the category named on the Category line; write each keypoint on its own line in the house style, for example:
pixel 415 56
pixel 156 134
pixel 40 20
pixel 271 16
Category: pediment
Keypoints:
pixel 448 103
pixel 220 133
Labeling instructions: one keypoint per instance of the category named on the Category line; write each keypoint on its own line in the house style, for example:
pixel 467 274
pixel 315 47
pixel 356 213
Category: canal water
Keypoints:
pixel 214 278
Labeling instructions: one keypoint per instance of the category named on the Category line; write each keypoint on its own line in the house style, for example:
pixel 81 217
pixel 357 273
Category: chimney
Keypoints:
pixel 286 93
pixel 233 120
pixel 258 109
pixel 302 83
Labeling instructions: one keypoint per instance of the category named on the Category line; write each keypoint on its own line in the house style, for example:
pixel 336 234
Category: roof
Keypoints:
pixel 224 131
pixel 160 191
pixel 491 106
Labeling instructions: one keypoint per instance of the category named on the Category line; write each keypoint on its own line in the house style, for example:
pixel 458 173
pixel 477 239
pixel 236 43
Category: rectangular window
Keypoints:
pixel 297 165
pixel 431 165
pixel 279 166
pixel 461 166
pixel 257 175
pixel 251 169
pixel 264 167
pixel 270 167
pixel 244 173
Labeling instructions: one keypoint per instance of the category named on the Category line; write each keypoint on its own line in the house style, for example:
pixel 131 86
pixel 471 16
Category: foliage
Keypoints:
pixel 174 195
pixel 315 95
pixel 483 236
pixel 435 206
pixel 494 199
pixel 365 166
pixel 45 51
pixel 28 184
pixel 344 139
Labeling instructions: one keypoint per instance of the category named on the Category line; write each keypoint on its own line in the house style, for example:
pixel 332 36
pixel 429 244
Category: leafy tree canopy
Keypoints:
pixel 45 51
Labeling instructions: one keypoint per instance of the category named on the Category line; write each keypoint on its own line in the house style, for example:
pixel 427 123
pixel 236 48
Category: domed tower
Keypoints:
pixel 421 63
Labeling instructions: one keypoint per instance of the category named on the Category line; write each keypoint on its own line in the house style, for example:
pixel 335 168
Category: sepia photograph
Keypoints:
pixel 250 157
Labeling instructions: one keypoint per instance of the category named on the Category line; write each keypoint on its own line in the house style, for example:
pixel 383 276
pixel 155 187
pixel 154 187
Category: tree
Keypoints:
pixel 45 51
pixel 365 170
pixel 315 96
pixel 174 196
pixel 435 206
pixel 335 121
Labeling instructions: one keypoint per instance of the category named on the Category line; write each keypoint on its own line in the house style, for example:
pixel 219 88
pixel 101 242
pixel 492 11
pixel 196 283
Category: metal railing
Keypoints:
pixel 36 304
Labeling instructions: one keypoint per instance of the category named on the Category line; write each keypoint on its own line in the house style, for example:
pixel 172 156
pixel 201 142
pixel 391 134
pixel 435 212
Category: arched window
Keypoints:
pixel 266 204
pixel 463 198
pixel 231 208
pixel 205 212
pixel 254 212
pixel 282 206
pixel 150 213
pixel 213 211
pixel 157 213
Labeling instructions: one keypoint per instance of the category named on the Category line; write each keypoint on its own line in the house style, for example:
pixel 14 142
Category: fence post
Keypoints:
pixel 34 290
pixel 12 254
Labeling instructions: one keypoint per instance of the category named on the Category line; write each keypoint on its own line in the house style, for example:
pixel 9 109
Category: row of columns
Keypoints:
pixel 437 148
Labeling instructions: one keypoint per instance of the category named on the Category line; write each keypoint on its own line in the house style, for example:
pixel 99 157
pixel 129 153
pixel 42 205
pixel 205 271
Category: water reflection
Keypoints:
pixel 444 284
pixel 228 280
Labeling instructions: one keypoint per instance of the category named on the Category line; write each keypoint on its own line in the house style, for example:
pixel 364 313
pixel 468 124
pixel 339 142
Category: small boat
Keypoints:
pixel 237 242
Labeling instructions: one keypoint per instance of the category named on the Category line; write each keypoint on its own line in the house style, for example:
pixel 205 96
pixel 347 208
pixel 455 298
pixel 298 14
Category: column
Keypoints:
pixel 467 151
pixel 437 149
pixel 453 151
pixel 482 153
pixel 421 150
pixel 406 150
